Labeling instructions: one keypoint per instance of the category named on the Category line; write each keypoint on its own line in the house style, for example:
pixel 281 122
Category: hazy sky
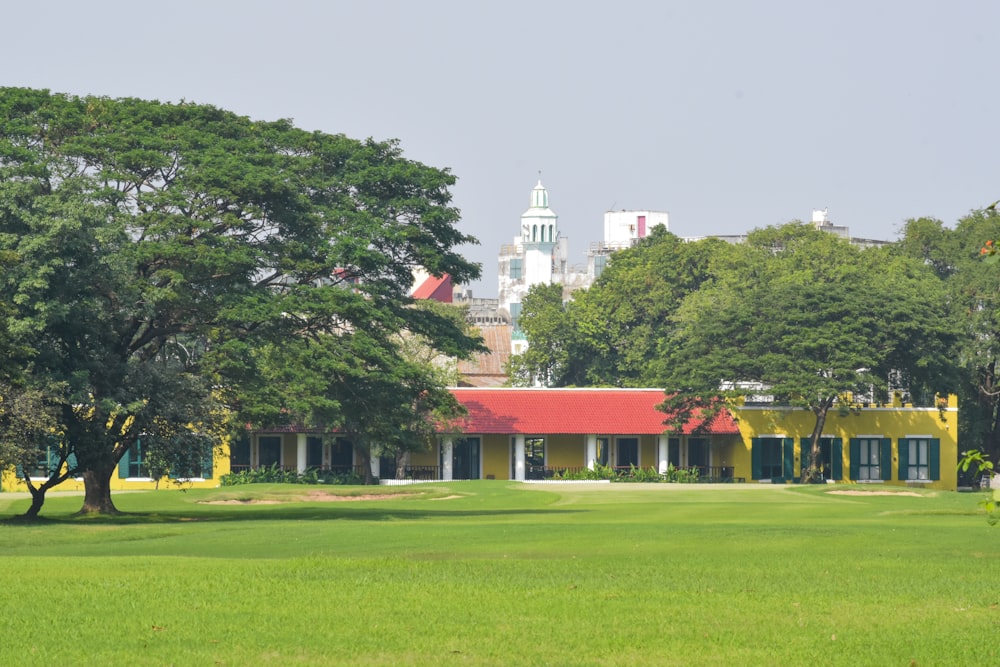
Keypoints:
pixel 729 115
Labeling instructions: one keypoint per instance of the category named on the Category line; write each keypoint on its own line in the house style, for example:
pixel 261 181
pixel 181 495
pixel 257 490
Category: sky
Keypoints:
pixel 730 115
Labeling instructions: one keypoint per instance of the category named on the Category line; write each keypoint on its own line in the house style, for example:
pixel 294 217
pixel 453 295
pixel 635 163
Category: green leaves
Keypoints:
pixel 188 244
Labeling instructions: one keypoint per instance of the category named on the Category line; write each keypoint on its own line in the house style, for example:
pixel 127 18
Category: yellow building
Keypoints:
pixel 525 434
pixel 900 445
pixel 132 473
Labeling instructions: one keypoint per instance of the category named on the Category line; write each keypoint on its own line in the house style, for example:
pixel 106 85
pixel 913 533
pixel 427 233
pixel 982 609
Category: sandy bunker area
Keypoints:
pixel 312 496
pixel 846 492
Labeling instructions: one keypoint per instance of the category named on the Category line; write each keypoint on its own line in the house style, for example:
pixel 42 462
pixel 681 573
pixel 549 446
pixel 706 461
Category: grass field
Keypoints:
pixel 493 573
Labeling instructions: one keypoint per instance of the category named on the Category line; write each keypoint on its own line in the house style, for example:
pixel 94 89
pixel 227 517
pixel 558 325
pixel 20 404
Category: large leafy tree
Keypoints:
pixel 954 254
pixel 386 391
pixel 610 333
pixel 161 249
pixel 810 319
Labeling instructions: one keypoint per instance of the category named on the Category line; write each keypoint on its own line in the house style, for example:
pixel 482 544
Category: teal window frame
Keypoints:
pixel 835 449
pixel 600 263
pixel 919 459
pixel 770 455
pixel 132 464
pixel 515 315
pixel 48 464
pixel 871 459
pixel 516 268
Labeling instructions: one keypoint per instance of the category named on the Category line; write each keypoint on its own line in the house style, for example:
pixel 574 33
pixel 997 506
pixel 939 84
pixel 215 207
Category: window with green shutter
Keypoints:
pixel 772 458
pixel 132 464
pixel 919 459
pixel 831 456
pixel 871 459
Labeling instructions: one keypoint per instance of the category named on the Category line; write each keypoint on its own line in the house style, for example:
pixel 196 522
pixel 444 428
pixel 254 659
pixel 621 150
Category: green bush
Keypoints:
pixel 278 475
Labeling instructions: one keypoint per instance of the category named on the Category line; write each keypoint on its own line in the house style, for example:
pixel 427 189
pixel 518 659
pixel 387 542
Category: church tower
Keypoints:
pixel 539 231
pixel 531 259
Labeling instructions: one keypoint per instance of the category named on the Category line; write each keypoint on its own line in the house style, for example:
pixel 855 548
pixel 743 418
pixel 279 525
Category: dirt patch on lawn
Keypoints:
pixel 314 496
pixel 877 493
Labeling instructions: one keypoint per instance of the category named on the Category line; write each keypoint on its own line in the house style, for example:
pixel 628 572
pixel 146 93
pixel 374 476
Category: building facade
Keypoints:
pixel 534 434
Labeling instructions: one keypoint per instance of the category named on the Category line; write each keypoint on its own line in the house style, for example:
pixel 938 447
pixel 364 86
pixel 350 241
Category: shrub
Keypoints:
pixel 277 475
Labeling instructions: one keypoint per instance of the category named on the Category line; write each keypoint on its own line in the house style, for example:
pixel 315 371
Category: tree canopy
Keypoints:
pixel 611 334
pixel 811 320
pixel 795 313
pixel 160 252
pixel 956 256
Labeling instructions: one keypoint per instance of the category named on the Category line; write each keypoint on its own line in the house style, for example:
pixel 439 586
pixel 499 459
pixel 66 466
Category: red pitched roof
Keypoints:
pixel 576 411
pixel 437 288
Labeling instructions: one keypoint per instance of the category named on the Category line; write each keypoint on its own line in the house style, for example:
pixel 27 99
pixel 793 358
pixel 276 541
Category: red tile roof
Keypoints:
pixel 575 411
pixel 437 288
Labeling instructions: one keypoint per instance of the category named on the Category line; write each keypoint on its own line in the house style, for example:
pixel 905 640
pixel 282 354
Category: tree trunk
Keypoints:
pixel 97 492
pixel 810 468
pixel 38 492
pixel 37 500
pixel 366 463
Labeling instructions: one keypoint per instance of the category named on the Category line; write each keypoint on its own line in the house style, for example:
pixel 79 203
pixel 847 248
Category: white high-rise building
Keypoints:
pixel 538 255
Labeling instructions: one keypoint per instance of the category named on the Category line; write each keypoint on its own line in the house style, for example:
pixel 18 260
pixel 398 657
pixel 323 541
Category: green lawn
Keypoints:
pixel 504 574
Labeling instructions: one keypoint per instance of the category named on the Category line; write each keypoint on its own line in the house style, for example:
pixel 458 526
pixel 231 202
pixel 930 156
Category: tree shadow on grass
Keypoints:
pixel 300 512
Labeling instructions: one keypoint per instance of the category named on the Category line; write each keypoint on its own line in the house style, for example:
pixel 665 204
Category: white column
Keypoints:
pixel 662 453
pixel 591 451
pixel 447 456
pixel 300 453
pixel 519 458
pixel 376 466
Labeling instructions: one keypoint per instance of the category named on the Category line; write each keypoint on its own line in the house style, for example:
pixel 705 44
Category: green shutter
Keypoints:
pixel 885 459
pixel 755 458
pixel 207 462
pixel 855 457
pixel 904 459
pixel 837 459
pixel 51 460
pixel 788 458
pixel 72 464
pixel 123 465
pixel 934 458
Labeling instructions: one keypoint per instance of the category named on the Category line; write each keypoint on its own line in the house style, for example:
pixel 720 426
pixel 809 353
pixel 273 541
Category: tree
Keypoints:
pixel 385 391
pixel 812 320
pixel 550 358
pixel 31 441
pixel 162 249
pixel 610 334
pixel 956 255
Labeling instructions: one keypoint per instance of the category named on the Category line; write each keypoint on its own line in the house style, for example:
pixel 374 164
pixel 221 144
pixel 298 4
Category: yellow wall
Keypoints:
pixel 220 467
pixel 647 451
pixel 496 456
pixel 565 451
pixel 893 423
